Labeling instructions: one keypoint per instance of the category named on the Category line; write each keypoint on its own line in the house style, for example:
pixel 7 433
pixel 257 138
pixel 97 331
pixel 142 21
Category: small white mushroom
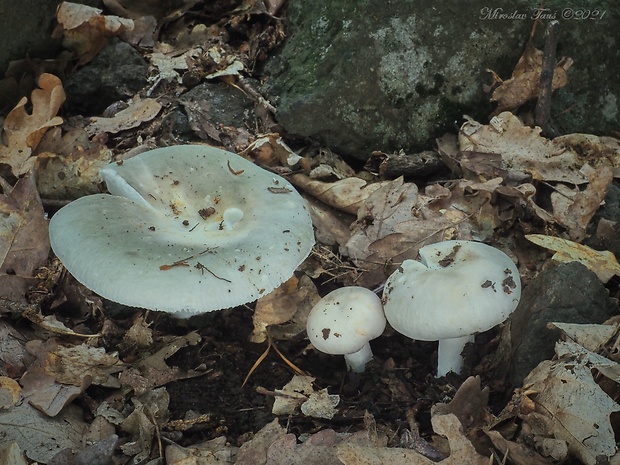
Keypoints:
pixel 458 288
pixel 344 321
pixel 187 229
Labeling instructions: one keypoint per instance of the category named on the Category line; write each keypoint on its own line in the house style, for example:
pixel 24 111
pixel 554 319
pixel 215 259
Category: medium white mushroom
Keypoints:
pixel 344 321
pixel 187 229
pixel 458 288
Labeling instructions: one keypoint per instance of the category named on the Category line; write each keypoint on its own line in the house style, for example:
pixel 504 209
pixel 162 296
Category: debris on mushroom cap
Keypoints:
pixel 187 229
pixel 459 288
pixel 345 320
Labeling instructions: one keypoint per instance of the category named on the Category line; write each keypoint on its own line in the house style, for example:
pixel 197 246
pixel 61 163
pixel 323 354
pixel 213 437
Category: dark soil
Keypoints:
pixel 398 378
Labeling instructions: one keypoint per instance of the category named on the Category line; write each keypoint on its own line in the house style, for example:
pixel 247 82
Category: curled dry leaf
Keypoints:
pixel 139 111
pixel 85 29
pixel 24 131
pixel 524 85
pixel 604 263
pixel 10 392
pixel 575 212
pixel 347 194
pixel 291 302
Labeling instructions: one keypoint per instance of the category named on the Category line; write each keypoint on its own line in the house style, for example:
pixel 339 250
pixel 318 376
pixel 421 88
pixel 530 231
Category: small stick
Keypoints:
pixel 543 106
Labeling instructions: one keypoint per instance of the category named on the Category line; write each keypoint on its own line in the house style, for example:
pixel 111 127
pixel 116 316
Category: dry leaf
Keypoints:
pixel 462 451
pixel 396 221
pixel 214 452
pixel 291 302
pixel 254 452
pixel 348 194
pixel 469 404
pixel 575 212
pixel 68 164
pixel 524 85
pixel 50 323
pixel 24 242
pixel 60 373
pixel 40 436
pixel 604 264
pixel 519 454
pixel 300 393
pixel 24 131
pixel 12 455
pixel 85 29
pixel 152 371
pixel 138 112
pixel 10 392
pixel 590 336
pixel 576 409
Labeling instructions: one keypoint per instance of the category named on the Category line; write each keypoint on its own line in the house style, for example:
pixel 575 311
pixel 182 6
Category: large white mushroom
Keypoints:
pixel 187 229
pixel 458 288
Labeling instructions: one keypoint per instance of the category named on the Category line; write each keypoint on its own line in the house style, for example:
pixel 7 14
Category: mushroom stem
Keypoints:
pixel 356 362
pixel 449 354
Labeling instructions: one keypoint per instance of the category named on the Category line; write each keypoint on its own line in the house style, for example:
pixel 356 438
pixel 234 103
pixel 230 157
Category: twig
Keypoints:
pixel 543 106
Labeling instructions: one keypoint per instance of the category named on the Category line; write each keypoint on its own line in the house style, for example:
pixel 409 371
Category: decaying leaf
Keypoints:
pixel 61 373
pixel 590 336
pixel 139 111
pixel 299 393
pixel 524 85
pixel 68 164
pixel 396 221
pixel 12 454
pixel 51 323
pixel 40 436
pixel 214 452
pixel 604 263
pixel 24 242
pixel 462 452
pixel 10 392
pixel 291 302
pixel 318 449
pixel 24 131
pixel 523 149
pixel 348 194
pixel 469 404
pixel 153 371
pixel 575 211
pixel 574 408
pixel 85 29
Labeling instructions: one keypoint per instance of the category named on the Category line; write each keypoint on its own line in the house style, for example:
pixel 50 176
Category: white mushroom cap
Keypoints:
pixel 458 288
pixel 343 322
pixel 187 229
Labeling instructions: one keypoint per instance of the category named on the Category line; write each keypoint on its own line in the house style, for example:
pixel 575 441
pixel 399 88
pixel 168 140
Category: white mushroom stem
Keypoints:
pixel 356 362
pixel 449 356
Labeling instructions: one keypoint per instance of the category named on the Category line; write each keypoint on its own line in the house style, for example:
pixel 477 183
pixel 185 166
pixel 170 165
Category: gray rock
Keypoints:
pixel 568 293
pixel 221 103
pixel 117 72
pixel 364 75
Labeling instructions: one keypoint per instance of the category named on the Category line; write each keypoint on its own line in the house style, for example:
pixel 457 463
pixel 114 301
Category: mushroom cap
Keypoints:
pixel 187 229
pixel 458 288
pixel 345 320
